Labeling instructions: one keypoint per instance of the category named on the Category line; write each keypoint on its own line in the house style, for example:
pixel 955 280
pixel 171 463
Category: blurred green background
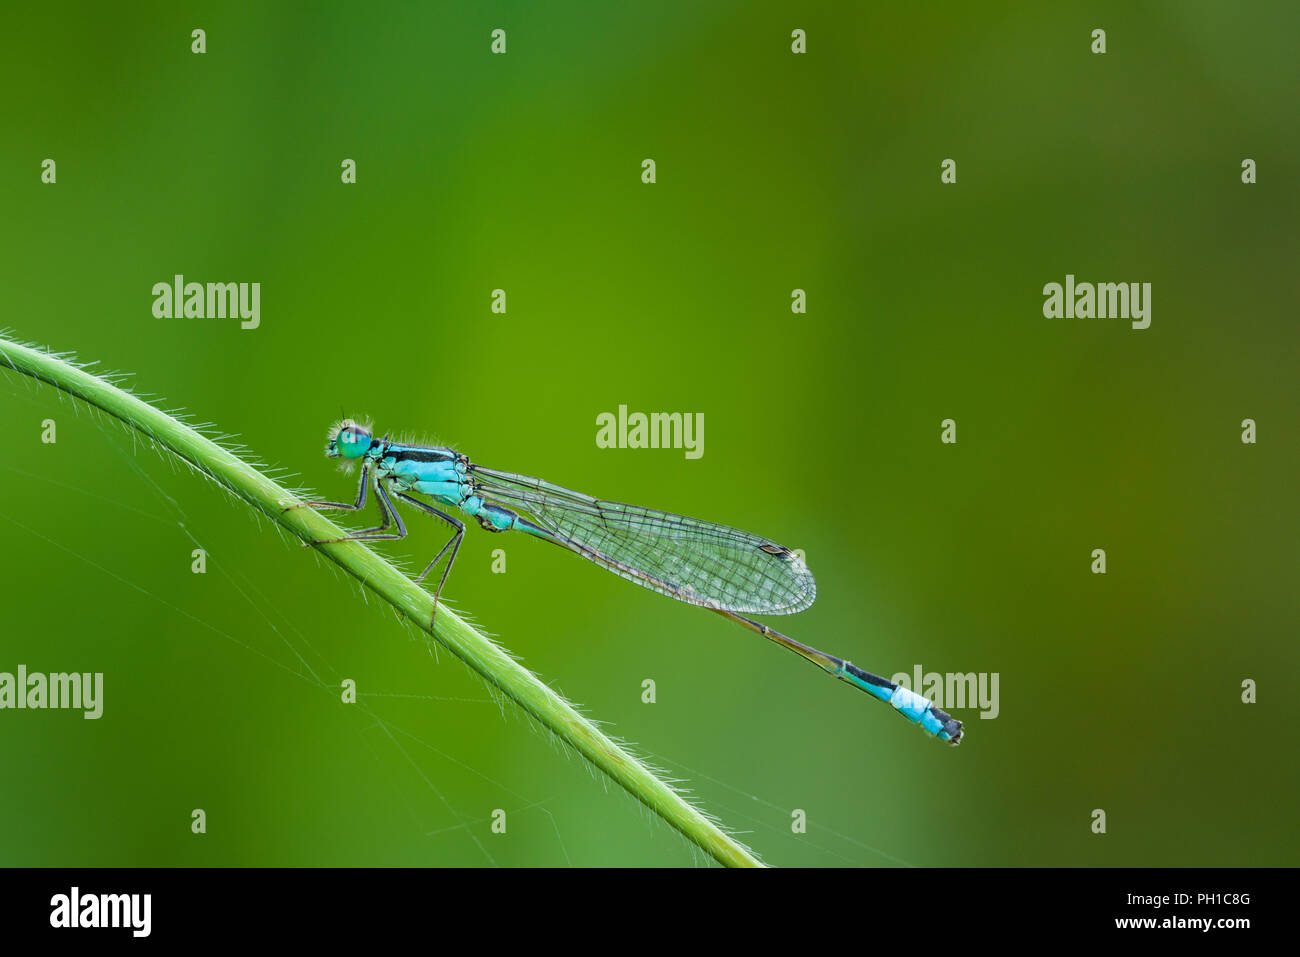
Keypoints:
pixel 775 172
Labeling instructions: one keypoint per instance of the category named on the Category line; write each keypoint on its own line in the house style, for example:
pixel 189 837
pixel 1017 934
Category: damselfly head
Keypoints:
pixel 348 440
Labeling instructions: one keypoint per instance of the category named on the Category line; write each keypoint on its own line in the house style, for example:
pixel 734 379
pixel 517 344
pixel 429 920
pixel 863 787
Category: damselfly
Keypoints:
pixel 722 569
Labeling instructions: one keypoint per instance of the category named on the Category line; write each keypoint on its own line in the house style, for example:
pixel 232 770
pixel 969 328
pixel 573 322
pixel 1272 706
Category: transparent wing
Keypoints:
pixel 685 558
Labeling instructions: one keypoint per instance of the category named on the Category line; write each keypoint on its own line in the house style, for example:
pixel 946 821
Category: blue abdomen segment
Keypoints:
pixel 494 518
pixel 916 708
pixel 921 710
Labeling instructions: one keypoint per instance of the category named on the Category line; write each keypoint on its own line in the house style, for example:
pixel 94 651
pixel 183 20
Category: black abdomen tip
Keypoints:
pixel 951 726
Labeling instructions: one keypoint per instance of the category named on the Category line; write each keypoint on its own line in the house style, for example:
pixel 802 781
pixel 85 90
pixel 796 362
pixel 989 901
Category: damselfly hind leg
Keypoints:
pixel 453 543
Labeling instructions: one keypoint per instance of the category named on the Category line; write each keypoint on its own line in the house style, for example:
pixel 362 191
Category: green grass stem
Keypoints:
pixel 480 653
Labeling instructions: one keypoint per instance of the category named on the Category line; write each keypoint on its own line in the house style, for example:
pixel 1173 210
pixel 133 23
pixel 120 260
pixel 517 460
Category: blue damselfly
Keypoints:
pixel 726 570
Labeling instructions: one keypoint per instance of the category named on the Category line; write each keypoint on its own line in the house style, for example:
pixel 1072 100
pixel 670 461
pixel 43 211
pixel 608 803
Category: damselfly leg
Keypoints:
pixel 453 543
pixel 356 506
pixel 389 515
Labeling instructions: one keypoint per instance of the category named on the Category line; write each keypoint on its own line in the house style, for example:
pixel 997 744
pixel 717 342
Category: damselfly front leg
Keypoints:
pixel 387 511
pixel 356 506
